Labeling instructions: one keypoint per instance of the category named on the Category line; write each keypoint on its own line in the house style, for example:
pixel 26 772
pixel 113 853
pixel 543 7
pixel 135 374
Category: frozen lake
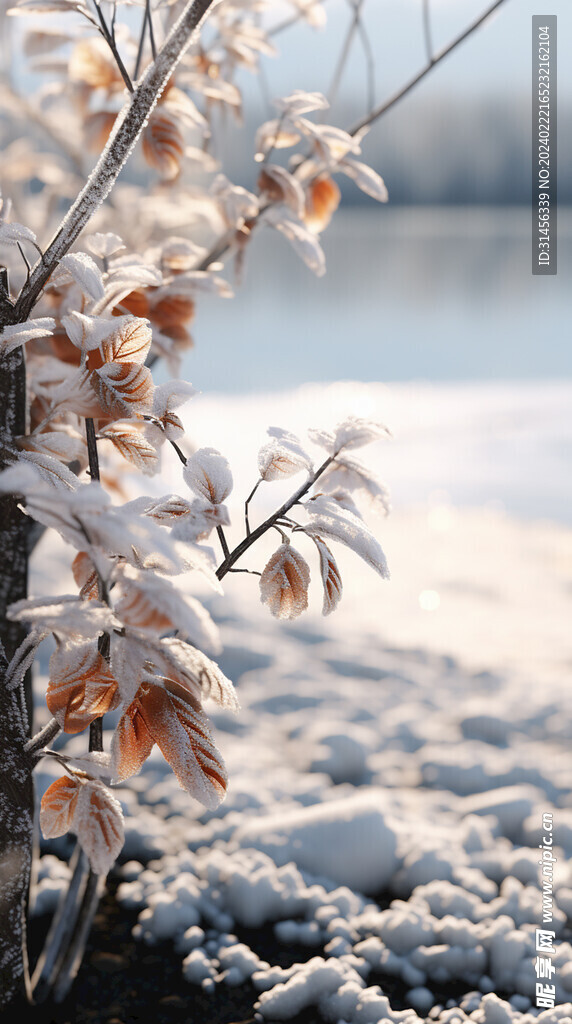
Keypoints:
pixel 425 293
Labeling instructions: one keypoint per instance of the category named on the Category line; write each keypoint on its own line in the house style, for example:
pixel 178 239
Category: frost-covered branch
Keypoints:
pixel 256 534
pixel 128 127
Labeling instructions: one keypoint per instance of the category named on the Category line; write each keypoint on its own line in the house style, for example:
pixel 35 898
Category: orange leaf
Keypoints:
pixel 163 145
pixel 284 583
pixel 181 731
pixel 85 575
pixel 81 686
pixel 322 200
pixel 172 310
pixel 131 744
pixel 132 445
pixel 58 807
pixel 123 389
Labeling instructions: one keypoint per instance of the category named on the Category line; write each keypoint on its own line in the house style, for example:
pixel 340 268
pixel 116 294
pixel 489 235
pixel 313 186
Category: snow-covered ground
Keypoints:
pixel 391 763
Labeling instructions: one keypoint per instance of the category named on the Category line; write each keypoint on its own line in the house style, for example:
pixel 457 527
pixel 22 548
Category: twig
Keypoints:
pixel 252 537
pixel 345 52
pixel 223 542
pixel 109 37
pixel 427 31
pixel 378 112
pixel 247 503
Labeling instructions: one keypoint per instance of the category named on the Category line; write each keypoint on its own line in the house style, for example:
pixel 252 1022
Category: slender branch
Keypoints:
pixel 223 542
pixel 378 112
pixel 125 133
pixel 109 37
pixel 427 31
pixel 345 52
pixel 92 448
pixel 247 503
pixel 250 539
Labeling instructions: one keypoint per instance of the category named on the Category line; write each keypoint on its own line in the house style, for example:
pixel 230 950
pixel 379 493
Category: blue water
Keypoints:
pixel 438 294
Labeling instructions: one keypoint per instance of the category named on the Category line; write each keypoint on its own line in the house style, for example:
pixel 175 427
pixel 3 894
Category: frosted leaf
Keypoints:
pixel 98 824
pixel 96 764
pixel 236 204
pixel 104 244
pixel 348 473
pixel 202 519
pixel 12 234
pixel 208 474
pixel 86 332
pixel 58 807
pixel 127 662
pixel 329 519
pixel 84 271
pixel 171 395
pixel 128 340
pixel 303 241
pixel 77 395
pixel 163 144
pixel 368 180
pixel 66 447
pixel 279 133
pixel 168 509
pixel 196 673
pixel 331 578
pixel 312 12
pixel 181 730
pixel 123 389
pixel 131 743
pixel 300 102
pixel 126 276
pixel 66 615
pixel 128 438
pixel 353 432
pixel 81 686
pixel 51 470
pixel 177 102
pixel 283 456
pixel 284 583
pixel 203 281
pixel 86 577
pixel 18 334
pixel 330 143
pixel 146 601
pixel 322 200
pixel 280 186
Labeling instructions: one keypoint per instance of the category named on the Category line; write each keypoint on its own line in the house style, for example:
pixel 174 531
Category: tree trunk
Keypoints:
pixel 16 788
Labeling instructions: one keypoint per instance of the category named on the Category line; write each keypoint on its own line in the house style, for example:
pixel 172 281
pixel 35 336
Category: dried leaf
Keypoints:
pixel 330 577
pixel 322 200
pixel 85 575
pixel 208 474
pixel 129 340
pixel 329 519
pixel 163 144
pixel 282 457
pixel 368 180
pixel 98 823
pixel 123 389
pixel 18 334
pixel 58 807
pixel 81 687
pixel 128 438
pixel 284 583
pixel 303 241
pixel 84 271
pixel 183 735
pixel 353 432
pixel 131 743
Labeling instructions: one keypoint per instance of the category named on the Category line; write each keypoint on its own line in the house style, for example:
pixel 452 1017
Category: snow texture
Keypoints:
pixel 390 764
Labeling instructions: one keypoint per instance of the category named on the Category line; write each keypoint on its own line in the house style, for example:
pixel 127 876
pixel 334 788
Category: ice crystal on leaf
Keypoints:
pixel 327 518
pixel 351 433
pixel 284 583
pixel 88 808
pixel 282 457
pixel 170 716
pixel 208 474
pixel 82 269
pixel 331 578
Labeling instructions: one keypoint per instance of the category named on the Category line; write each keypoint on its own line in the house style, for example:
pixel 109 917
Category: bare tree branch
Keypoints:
pixel 378 112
